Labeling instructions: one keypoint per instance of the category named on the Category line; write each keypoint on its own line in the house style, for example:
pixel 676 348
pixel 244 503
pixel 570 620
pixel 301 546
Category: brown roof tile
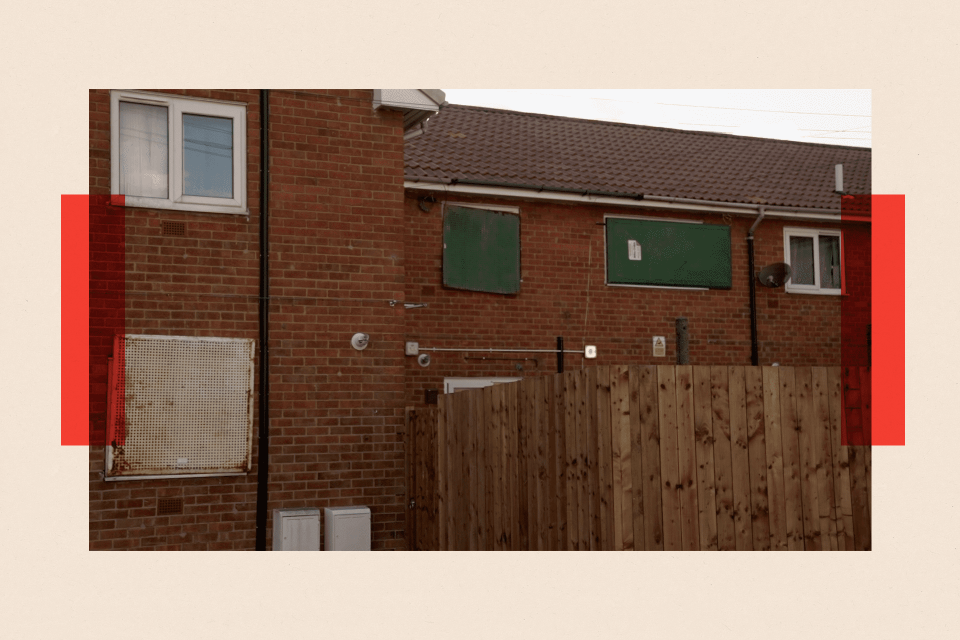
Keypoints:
pixel 528 149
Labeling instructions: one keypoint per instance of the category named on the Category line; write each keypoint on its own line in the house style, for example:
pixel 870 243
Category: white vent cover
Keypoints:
pixel 180 406
pixel 346 529
pixel 296 529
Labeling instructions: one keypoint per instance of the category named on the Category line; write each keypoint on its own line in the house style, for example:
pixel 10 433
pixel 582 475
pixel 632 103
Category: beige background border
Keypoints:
pixel 53 587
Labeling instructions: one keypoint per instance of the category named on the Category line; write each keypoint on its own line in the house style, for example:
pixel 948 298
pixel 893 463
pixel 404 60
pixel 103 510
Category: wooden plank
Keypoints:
pixel 532 429
pixel 432 470
pixel 583 498
pixel 480 415
pixel 489 467
pixel 722 456
pixel 826 499
pixel 551 499
pixel 757 453
pixel 524 418
pixel 513 406
pixel 542 453
pixel 808 462
pixel 605 458
pixel 792 470
pixel 706 483
pixel 441 475
pixel 740 459
pixel 572 484
pixel 773 445
pixel 867 406
pixel 591 459
pixel 499 462
pixel 470 467
pixel 838 462
pixel 450 425
pixel 687 459
pixel 560 461
pixel 409 466
pixel 620 453
pixel 647 496
pixel 858 494
pixel 669 456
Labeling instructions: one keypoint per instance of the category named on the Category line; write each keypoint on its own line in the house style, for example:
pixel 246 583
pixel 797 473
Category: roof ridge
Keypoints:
pixel 649 127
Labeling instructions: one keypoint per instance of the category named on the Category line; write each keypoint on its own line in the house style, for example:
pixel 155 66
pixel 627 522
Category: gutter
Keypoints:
pixel 559 194
pixel 754 346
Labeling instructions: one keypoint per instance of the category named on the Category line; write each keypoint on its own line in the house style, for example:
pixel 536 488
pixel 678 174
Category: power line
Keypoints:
pixel 808 113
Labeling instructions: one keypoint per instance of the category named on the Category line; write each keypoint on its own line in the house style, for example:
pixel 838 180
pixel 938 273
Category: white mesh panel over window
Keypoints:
pixel 180 406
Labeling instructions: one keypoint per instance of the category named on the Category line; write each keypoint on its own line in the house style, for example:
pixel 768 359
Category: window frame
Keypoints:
pixel 814 234
pixel 177 106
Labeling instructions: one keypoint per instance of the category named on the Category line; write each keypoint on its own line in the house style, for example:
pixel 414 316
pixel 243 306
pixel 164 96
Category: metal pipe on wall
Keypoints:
pixel 263 446
pixel 754 346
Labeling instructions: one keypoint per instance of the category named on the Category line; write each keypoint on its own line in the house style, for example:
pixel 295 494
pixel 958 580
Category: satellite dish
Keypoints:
pixel 774 275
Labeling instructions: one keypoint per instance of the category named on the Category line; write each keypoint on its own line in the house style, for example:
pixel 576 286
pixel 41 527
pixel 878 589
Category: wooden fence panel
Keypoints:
pixel 790 431
pixel 605 458
pixel 757 453
pixel 647 497
pixel 723 464
pixel 669 457
pixel 622 474
pixel 740 459
pixel 645 457
pixel 706 483
pixel 687 459
pixel 776 498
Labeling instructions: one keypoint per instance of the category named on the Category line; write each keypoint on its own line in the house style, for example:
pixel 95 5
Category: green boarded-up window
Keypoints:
pixel 668 254
pixel 481 250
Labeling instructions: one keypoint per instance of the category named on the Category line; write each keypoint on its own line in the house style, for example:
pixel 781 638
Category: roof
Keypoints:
pixel 512 148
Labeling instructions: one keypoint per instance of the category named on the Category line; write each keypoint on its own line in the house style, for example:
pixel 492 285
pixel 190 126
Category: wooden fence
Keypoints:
pixel 644 457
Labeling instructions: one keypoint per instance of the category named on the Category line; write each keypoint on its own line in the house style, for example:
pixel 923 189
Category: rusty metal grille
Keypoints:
pixel 168 228
pixel 187 405
pixel 169 506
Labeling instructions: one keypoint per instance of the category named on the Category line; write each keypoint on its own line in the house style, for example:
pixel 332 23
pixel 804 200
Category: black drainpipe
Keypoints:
pixel 263 447
pixel 754 348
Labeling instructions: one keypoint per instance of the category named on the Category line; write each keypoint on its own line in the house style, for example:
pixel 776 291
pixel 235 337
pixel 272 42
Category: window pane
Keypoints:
pixel 207 156
pixel 801 260
pixel 143 150
pixel 829 262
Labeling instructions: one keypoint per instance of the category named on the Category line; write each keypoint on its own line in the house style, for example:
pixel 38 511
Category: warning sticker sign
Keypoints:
pixel 659 346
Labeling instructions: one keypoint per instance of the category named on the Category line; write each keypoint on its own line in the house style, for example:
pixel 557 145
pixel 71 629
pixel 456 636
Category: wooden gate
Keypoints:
pixel 646 457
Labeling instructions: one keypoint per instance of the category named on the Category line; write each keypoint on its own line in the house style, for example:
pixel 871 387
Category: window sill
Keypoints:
pixel 167 205
pixel 811 292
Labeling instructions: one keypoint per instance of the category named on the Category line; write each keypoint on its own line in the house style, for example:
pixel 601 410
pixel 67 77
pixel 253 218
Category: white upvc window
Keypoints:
pixel 815 257
pixel 173 152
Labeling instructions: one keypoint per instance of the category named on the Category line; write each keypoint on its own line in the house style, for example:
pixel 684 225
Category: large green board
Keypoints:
pixel 674 254
pixel 481 250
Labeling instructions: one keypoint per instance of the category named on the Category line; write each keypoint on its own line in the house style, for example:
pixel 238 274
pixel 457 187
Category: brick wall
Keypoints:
pixel 563 294
pixel 336 260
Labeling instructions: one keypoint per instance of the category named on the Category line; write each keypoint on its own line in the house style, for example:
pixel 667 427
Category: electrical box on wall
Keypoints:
pixel 346 528
pixel 296 529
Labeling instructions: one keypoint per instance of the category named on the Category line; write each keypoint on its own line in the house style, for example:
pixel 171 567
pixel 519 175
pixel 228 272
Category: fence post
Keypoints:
pixel 683 342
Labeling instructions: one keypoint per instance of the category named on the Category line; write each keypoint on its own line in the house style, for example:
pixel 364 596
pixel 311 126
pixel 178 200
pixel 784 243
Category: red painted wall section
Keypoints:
pixel 563 294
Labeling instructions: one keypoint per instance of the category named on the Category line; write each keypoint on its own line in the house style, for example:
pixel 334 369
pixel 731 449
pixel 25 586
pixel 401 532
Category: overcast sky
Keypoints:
pixel 830 116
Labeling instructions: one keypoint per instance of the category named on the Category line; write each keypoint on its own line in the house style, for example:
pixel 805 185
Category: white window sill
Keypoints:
pixel 156 203
pixel 815 292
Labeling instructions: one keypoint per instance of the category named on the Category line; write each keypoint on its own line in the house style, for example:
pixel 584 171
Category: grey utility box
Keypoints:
pixel 346 528
pixel 296 529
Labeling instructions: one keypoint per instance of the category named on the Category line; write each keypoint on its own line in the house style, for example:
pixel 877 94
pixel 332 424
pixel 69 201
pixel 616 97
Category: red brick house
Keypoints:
pixel 578 189
pixel 481 236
